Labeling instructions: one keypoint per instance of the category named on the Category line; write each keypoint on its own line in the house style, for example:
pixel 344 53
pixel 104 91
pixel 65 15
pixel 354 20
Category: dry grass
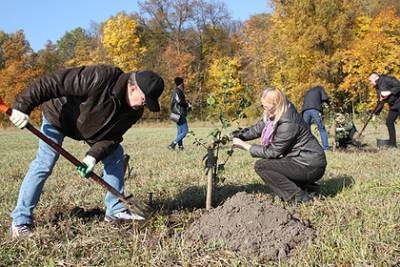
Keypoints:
pixel 357 219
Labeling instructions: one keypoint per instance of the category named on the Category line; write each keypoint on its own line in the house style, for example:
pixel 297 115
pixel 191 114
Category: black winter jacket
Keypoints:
pixel 84 103
pixel 388 83
pixel 314 97
pixel 292 140
pixel 178 104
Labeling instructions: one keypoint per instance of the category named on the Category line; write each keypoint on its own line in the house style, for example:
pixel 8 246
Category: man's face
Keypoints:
pixel 135 97
pixel 373 78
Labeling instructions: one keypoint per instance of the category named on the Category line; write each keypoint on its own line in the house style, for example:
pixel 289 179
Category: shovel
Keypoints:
pixel 133 205
pixel 367 121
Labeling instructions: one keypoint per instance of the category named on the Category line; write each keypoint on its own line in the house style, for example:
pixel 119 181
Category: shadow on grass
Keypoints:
pixel 332 187
pixel 57 214
pixel 193 197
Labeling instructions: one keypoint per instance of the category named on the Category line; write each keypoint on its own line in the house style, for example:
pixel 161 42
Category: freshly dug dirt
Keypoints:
pixel 252 227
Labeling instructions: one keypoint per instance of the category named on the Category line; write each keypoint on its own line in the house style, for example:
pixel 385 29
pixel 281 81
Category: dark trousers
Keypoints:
pixel 391 118
pixel 286 177
pixel 344 142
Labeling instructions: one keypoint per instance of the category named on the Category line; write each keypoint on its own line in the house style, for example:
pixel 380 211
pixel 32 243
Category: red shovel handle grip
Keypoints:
pixel 4 108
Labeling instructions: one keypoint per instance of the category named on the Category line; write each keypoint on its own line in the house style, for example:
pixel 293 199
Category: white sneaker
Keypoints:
pixel 22 230
pixel 125 215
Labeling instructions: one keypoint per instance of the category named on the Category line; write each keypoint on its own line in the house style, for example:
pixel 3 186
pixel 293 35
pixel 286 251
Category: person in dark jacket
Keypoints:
pixel 291 157
pixel 388 91
pixel 312 111
pixel 179 108
pixel 97 104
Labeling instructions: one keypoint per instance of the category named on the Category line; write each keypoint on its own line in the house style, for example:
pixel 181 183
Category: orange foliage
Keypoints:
pixel 19 69
pixel 377 49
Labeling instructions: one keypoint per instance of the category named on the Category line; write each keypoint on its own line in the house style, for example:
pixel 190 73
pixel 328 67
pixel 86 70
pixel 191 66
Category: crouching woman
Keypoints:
pixel 291 157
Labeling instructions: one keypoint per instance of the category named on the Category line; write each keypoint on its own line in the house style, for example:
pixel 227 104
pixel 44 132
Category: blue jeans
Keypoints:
pixel 182 130
pixel 42 166
pixel 313 115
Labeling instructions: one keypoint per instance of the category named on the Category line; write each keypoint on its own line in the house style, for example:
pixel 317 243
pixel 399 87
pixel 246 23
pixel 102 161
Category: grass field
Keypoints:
pixel 357 219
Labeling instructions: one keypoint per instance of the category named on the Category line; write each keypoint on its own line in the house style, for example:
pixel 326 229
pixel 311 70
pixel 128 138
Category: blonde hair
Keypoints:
pixel 277 99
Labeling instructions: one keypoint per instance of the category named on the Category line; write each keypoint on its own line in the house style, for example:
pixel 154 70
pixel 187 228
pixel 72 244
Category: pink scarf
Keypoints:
pixel 267 133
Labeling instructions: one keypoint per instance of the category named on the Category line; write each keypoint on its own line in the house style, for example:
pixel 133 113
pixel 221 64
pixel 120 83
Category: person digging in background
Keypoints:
pixel 312 111
pixel 97 104
pixel 291 157
pixel 179 109
pixel 343 130
pixel 388 91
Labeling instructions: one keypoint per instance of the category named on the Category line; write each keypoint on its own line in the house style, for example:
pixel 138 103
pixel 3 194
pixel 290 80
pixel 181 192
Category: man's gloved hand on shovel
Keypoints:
pixel 90 162
pixel 19 118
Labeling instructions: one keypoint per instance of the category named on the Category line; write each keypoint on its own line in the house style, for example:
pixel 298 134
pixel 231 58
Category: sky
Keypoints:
pixel 44 20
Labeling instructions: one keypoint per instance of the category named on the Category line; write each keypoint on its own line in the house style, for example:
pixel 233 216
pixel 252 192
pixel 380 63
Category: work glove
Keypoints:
pixel 384 95
pixel 89 163
pixel 19 118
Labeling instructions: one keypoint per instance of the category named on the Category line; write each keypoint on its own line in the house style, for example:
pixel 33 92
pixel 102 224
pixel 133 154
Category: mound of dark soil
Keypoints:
pixel 252 227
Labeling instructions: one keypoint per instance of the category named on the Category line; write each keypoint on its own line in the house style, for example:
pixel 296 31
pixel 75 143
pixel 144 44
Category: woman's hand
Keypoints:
pixel 240 144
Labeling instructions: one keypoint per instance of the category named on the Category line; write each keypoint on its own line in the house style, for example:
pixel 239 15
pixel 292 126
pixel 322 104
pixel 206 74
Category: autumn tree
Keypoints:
pixel 376 48
pixel 3 38
pixel 305 37
pixel 373 7
pixel 182 38
pixel 122 43
pixel 89 52
pixel 48 59
pixel 254 45
pixel 67 44
pixel 224 86
pixel 19 69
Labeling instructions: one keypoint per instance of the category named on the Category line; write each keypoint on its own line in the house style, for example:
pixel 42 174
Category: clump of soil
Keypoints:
pixel 252 227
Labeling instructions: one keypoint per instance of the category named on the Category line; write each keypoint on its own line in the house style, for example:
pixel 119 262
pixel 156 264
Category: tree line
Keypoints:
pixel 301 43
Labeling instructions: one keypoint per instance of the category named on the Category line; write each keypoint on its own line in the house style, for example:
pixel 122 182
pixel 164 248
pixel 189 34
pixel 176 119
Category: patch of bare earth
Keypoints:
pixel 252 227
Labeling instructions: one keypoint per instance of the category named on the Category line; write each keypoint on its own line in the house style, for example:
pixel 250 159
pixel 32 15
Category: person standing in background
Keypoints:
pixel 312 111
pixel 179 108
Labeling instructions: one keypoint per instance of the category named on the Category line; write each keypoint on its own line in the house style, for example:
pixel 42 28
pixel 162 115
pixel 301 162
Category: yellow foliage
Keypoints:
pixel 254 43
pixel 377 49
pixel 122 43
pixel 303 41
pixel 224 84
pixel 87 52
